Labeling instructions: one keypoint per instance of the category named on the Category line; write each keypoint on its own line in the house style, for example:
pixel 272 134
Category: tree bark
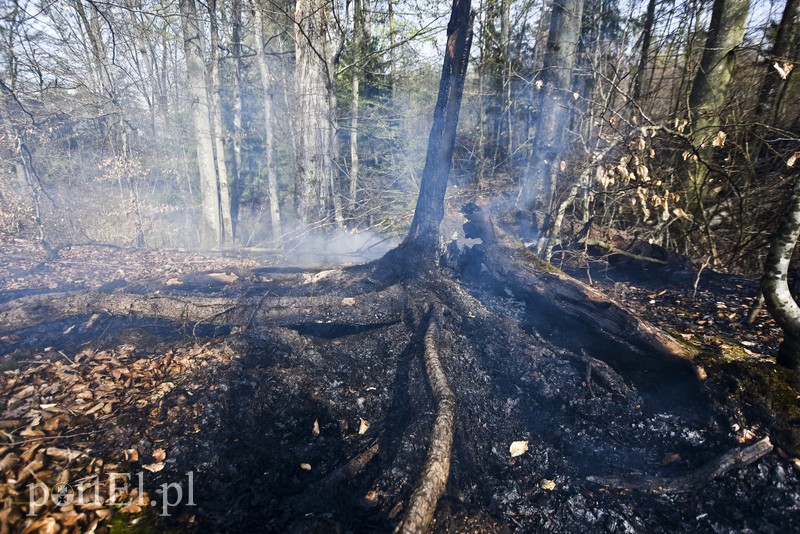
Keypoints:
pixel 359 29
pixel 538 184
pixel 210 223
pixel 787 41
pixel 267 87
pixel 424 231
pixel 236 44
pixel 775 283
pixel 382 307
pixel 219 147
pixel 710 86
pixel 314 112
pixel 647 37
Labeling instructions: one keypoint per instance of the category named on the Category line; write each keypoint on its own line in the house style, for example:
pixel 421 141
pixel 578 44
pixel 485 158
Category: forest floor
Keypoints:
pixel 226 429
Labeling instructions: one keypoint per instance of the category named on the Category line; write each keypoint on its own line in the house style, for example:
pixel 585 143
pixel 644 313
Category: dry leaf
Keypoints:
pixel 154 468
pixel 518 448
pixel 159 455
pixel 63 454
pixel 363 427
pixel 305 467
pixel 548 485
pixel 719 139
pixel 792 159
pixel 131 508
pixel 225 278
pixel 315 428
pixel 783 70
pixel 539 84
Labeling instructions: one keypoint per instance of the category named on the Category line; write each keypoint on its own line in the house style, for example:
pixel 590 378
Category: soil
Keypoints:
pixel 266 418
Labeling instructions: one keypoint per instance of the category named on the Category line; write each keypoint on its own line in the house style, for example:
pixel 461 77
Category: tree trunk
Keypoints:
pixel 424 231
pixel 538 184
pixel 775 283
pixel 359 29
pixel 267 85
pixel 236 37
pixel 210 224
pixel 314 113
pixel 787 41
pixel 219 147
pixel 647 37
pixel 710 86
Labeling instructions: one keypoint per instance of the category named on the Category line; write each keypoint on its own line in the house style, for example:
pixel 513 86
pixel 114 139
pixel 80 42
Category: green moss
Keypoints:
pixel 145 523
pixel 765 391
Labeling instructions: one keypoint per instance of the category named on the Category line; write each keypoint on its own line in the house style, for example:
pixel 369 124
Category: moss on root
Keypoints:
pixel 765 391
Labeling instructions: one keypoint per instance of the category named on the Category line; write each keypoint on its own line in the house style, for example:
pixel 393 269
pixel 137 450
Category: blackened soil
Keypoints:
pixel 264 420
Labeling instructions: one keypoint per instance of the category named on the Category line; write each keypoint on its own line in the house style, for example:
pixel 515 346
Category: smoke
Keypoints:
pixel 337 248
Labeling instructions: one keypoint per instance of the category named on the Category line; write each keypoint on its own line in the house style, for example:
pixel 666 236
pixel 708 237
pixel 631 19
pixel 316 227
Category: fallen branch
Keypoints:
pixel 683 484
pixel 619 252
pixel 381 307
pixel 433 480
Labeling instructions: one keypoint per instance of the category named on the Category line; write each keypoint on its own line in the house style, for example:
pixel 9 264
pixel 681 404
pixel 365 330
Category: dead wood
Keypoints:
pixel 531 278
pixel 683 484
pixel 433 480
pixel 619 252
pixel 378 308
pixel 352 467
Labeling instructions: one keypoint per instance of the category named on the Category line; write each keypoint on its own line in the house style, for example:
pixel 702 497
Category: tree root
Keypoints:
pixel 684 484
pixel 531 278
pixel 378 308
pixel 433 480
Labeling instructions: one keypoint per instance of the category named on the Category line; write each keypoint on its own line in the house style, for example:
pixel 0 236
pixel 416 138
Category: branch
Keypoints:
pixel 686 483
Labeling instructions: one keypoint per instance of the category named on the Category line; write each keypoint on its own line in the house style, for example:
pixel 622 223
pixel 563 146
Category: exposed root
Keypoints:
pixel 353 467
pixel 683 484
pixel 532 279
pixel 381 307
pixel 433 480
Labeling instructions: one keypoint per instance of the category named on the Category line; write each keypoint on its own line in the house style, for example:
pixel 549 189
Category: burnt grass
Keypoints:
pixel 263 428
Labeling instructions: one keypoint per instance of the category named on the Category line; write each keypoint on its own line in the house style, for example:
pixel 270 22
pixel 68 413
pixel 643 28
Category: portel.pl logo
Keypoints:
pixel 119 485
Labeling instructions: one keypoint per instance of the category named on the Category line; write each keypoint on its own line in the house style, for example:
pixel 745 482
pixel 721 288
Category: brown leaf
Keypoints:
pixel 154 468
pixel 63 454
pixel 159 455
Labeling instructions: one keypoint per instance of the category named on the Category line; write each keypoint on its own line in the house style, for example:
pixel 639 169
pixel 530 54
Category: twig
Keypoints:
pixel 697 278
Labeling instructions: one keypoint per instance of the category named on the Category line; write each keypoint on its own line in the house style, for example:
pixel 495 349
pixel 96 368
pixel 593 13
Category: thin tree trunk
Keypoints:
pixel 424 231
pixel 358 45
pixel 236 37
pixel 267 86
pixel 647 37
pixel 775 283
pixel 219 147
pixel 210 224
pixel 538 184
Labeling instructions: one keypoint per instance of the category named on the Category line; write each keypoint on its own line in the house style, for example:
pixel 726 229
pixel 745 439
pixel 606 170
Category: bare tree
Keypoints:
pixel 267 86
pixel 315 112
pixel 211 224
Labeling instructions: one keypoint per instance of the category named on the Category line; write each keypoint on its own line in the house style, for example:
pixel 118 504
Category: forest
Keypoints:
pixel 410 266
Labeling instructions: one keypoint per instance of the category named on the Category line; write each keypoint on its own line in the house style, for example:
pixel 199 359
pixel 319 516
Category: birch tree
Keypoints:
pixel 210 221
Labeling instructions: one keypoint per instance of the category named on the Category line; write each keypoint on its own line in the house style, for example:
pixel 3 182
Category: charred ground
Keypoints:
pixel 325 426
